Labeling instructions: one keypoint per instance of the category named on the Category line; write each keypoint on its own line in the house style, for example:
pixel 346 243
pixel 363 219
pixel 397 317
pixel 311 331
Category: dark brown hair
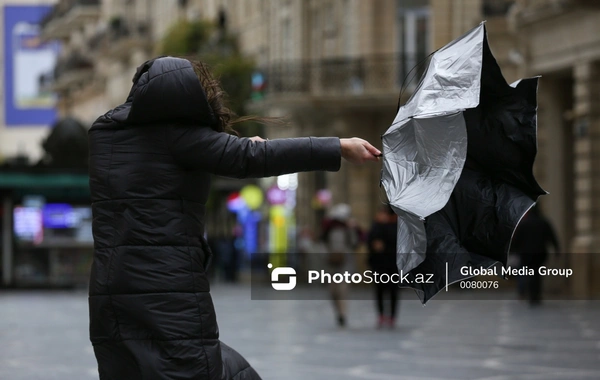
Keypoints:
pixel 217 100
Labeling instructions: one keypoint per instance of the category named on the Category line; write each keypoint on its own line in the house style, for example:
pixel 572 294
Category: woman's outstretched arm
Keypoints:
pixel 223 154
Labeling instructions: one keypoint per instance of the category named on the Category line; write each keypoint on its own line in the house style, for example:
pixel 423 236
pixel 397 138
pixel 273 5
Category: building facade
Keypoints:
pixel 103 42
pixel 560 41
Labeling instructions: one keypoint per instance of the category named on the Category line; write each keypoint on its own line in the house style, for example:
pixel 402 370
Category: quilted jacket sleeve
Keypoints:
pixel 226 155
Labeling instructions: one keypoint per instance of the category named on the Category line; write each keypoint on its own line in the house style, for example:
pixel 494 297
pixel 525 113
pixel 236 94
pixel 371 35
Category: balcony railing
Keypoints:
pixel 531 11
pixel 68 15
pixel 342 76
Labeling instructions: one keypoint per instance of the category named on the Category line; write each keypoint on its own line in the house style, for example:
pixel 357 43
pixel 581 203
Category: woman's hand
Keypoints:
pixel 257 138
pixel 358 151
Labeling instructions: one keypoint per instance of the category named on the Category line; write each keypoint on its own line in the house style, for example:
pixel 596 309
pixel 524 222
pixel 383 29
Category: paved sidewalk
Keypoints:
pixel 43 335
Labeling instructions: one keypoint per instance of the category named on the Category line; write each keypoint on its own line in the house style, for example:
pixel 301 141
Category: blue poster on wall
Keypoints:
pixel 27 62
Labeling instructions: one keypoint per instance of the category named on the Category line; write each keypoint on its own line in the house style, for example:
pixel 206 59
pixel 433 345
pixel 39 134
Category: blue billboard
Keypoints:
pixel 27 62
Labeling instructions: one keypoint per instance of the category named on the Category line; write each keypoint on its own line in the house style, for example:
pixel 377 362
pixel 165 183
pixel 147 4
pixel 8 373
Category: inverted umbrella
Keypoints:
pixel 458 165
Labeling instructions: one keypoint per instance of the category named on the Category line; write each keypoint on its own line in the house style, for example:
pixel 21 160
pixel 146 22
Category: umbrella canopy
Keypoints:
pixel 458 164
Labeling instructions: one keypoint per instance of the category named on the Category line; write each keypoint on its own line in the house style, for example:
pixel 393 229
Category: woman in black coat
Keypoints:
pixel 151 313
pixel 381 242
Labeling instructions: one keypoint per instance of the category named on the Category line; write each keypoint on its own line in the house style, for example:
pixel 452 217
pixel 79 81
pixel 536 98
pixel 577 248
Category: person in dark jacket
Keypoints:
pixel 341 239
pixel 151 313
pixel 382 259
pixel 531 240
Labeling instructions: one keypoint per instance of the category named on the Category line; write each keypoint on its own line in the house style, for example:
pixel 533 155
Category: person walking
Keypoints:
pixel 151 312
pixel 341 239
pixel 531 240
pixel 382 259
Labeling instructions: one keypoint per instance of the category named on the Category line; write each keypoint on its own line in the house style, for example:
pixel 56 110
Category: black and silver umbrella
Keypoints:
pixel 458 165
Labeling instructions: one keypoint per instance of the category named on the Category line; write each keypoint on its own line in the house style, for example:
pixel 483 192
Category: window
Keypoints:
pixel 329 30
pixel 414 37
pixel 286 39
pixel 317 39
pixel 349 27
pixel 329 21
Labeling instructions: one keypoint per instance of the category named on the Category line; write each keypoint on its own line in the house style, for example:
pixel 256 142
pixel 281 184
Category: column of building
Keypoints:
pixel 585 260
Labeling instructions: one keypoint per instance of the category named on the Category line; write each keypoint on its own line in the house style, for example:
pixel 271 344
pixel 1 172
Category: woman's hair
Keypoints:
pixel 217 100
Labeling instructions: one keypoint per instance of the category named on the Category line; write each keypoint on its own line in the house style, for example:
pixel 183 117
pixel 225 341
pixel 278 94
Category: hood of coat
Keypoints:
pixel 165 89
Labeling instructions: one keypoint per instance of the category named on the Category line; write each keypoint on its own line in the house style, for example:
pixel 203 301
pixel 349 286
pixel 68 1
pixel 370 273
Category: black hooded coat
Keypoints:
pixel 151 313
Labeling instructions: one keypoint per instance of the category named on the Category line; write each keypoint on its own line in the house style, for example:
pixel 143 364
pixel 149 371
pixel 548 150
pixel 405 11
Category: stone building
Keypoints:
pixel 560 40
pixel 102 44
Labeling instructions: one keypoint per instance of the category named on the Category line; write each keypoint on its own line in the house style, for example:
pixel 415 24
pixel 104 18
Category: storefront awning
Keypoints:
pixel 41 181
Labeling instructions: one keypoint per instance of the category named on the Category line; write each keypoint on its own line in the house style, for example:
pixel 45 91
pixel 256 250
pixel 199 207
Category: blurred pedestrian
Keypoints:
pixel 226 262
pixel 531 240
pixel 382 259
pixel 307 249
pixel 151 158
pixel 341 239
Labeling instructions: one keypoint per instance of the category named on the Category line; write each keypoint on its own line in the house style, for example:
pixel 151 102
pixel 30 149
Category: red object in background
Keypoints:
pixel 235 202
pixel 233 196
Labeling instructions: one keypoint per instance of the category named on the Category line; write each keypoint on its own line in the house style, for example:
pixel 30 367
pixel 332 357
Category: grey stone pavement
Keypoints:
pixel 43 335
